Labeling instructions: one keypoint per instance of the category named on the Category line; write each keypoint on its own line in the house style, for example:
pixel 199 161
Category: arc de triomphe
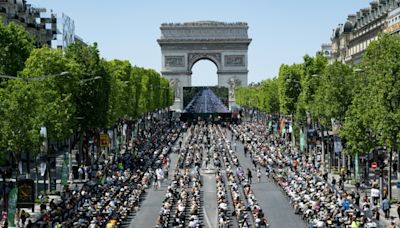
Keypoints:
pixel 183 44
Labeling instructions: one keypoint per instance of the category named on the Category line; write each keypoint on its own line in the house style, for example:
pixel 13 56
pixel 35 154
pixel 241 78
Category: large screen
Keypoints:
pixel 205 99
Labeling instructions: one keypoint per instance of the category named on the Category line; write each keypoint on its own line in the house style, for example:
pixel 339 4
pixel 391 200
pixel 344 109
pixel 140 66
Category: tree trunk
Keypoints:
pixel 28 165
pixel 80 153
pixel 329 151
pixel 349 163
pixel 338 161
pixel 390 175
pixel 322 150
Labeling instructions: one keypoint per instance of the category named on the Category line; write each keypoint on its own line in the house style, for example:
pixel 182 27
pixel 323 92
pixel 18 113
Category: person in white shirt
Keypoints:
pixel 160 176
pixel 375 195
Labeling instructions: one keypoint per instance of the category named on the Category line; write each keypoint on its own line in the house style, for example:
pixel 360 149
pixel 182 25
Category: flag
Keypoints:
pixel 301 140
pixel 12 206
pixel 282 126
pixel 65 171
pixel 283 131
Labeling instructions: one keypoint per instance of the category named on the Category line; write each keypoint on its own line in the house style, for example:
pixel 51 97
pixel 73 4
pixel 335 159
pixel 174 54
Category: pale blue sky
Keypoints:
pixel 283 31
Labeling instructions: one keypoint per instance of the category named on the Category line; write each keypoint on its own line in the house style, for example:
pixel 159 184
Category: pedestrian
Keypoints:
pixel 155 183
pixel 80 171
pixel 386 207
pixel 398 210
pixel 245 150
pixel 348 177
pixel 357 199
pixel 17 216
pixel 325 176
pixel 249 175
pixel 30 224
pixel 296 164
pixel 375 194
pixel 160 176
pixel 377 215
pixel 267 172
pixel 341 183
pixel 333 182
pixel 23 217
pixel 259 175
pixel 255 164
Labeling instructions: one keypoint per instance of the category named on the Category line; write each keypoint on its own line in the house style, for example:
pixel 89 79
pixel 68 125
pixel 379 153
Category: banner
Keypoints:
pixel 65 171
pixel 42 168
pixel 283 131
pixel 43 134
pixel 301 140
pixel 103 140
pixel 275 126
pixel 26 193
pixel 124 129
pixel 356 166
pixel 337 145
pixel 20 167
pixel 282 125
pixel 12 205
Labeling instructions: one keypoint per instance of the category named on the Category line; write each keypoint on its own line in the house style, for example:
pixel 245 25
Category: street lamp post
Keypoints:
pixel 34 78
pixel 82 156
pixel 27 80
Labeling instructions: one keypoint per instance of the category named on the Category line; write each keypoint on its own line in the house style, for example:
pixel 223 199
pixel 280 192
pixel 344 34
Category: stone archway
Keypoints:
pixel 225 44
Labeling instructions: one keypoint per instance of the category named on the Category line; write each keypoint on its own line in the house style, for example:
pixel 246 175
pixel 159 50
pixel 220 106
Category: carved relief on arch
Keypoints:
pixel 194 57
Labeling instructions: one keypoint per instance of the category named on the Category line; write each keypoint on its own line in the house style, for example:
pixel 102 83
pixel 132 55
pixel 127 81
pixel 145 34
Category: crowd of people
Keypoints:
pixel 182 203
pixel 118 183
pixel 244 199
pixel 117 187
pixel 307 188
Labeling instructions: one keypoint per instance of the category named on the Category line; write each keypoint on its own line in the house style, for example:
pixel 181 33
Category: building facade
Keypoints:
pixel 393 22
pixel 326 51
pixel 350 40
pixel 44 26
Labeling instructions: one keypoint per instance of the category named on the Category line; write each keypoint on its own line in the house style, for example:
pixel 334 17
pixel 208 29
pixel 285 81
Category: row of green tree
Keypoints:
pixel 364 99
pixel 68 91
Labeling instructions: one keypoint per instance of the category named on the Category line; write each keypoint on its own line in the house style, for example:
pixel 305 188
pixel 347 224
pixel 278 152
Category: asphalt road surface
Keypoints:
pixel 206 102
pixel 272 200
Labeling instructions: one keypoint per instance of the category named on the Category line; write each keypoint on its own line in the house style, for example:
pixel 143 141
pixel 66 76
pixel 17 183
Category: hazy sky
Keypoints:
pixel 283 31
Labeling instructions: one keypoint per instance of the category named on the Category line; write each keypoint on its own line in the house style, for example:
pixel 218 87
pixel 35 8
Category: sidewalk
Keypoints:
pixel 348 187
pixel 36 214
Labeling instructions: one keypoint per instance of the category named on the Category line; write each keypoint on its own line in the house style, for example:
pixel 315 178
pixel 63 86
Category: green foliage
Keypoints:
pixel 269 96
pixel 373 119
pixel 144 90
pixel 121 89
pixel 289 81
pixel 382 74
pixel 19 128
pixel 91 99
pixel 247 96
pixel 55 107
pixel 313 67
pixel 356 128
pixel 334 94
pixel 15 47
